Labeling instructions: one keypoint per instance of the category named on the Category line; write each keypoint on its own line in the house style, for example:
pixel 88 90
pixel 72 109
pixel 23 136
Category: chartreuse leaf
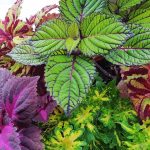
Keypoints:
pixel 136 51
pixel 127 4
pixel 65 138
pixel 101 33
pixel 71 44
pixel 76 10
pixel 68 79
pixel 50 37
pixel 26 54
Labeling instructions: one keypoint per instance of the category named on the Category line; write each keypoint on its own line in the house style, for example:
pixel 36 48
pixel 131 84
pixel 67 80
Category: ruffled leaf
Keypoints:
pixel 76 10
pixel 14 11
pixel 101 33
pixel 65 137
pixel 41 15
pixel 68 79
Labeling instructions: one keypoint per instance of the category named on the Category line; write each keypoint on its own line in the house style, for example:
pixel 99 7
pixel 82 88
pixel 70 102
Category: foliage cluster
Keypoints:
pixel 102 121
pixel 53 57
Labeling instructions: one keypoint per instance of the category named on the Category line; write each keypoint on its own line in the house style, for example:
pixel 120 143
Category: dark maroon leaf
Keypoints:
pixel 31 138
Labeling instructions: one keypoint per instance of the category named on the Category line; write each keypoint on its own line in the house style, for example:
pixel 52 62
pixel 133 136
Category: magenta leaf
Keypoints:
pixel 30 138
pixel 9 138
pixel 46 107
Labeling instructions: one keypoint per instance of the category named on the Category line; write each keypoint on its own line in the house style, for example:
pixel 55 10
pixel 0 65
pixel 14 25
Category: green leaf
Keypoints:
pixel 127 4
pixel 68 79
pixel 145 5
pixel 50 37
pixel 76 10
pixel 71 44
pixel 129 57
pixel 74 38
pixel 73 30
pixel 136 51
pixel 25 54
pixel 101 33
pixel 141 17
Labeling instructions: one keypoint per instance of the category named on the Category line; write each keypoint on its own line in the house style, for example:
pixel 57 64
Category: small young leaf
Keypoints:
pixel 76 10
pixel 68 79
pixel 71 44
pixel 73 30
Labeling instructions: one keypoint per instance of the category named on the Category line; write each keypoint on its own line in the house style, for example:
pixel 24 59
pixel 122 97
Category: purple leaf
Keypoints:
pixel 9 138
pixel 19 97
pixel 30 138
pixel 5 75
pixel 47 106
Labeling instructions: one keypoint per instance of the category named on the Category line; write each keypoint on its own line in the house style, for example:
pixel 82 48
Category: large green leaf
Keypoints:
pixel 136 51
pixel 127 4
pixel 78 9
pixel 68 79
pixel 25 54
pixel 50 37
pixel 101 33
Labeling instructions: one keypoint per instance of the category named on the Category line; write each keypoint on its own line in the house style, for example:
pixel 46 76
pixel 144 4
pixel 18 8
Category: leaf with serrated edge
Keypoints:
pixel 25 54
pixel 101 33
pixel 76 10
pixel 127 4
pixel 136 51
pixel 68 79
pixel 50 37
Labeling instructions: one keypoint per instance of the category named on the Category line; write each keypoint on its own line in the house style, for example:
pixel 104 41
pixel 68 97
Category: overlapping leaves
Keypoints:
pixel 18 105
pixel 14 31
pixel 90 33
pixel 137 80
pixel 136 51
pixel 76 10
pixel 68 78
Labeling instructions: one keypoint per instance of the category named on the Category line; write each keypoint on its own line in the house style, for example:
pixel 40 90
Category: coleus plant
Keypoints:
pixel 13 31
pixel 137 80
pixel 86 29
pixel 19 105
pixel 103 120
